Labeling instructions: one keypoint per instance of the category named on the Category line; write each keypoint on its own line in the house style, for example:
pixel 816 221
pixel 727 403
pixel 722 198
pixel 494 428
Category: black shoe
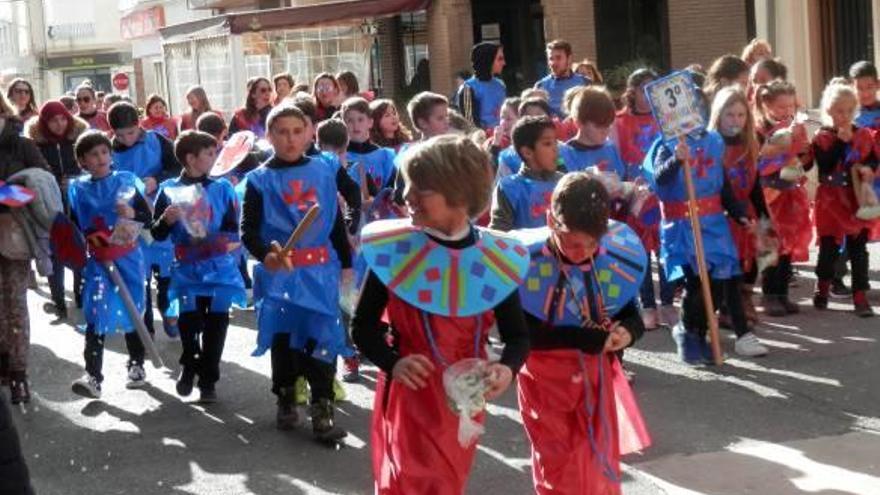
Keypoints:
pixel 790 307
pixel 207 394
pixel 19 390
pixel 839 289
pixel 286 417
pixel 185 383
pixel 773 306
pixel 322 422
pixel 820 301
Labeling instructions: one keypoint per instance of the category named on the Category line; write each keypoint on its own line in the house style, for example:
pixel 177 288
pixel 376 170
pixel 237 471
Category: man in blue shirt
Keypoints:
pixel 561 77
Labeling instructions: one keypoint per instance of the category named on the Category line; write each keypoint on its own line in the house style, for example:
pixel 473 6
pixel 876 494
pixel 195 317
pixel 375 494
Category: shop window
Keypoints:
pixel 181 74
pixel 257 66
pixel 214 74
pixel 631 34
pixel 414 34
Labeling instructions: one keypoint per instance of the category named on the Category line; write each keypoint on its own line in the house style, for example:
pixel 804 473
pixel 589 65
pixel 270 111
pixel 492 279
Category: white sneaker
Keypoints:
pixel 137 377
pixel 668 315
pixel 87 386
pixel 649 318
pixel 749 346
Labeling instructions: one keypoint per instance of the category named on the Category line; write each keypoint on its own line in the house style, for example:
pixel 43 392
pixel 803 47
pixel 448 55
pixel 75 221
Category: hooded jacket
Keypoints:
pixel 59 155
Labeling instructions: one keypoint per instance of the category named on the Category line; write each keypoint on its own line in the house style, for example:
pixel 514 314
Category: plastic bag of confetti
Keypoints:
pixel 189 200
pixel 465 386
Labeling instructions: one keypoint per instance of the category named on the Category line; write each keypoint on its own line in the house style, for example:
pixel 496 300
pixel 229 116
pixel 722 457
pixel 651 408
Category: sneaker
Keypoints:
pixel 688 346
pixel 773 305
pixel 171 328
pixel 839 289
pixel 184 384
pixel 207 394
pixel 338 391
pixel 301 391
pixel 668 315
pixel 749 346
pixel 861 305
pixel 137 377
pixel 352 367
pixel 87 386
pixel 650 318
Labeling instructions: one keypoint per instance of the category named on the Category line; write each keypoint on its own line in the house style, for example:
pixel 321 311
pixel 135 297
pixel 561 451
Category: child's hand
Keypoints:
pixel 413 371
pixel 124 211
pixel 274 262
pixel 498 378
pixel 171 215
pixel 682 151
pixel 498 136
pixel 618 338
pixel 149 185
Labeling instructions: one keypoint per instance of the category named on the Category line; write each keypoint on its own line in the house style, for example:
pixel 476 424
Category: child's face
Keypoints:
pixel 508 118
pixel 545 154
pixel 575 246
pixel 642 105
pixel 842 112
pixel 866 88
pixel 282 88
pixel 128 135
pixel 437 122
pixel 96 161
pixel 593 133
pixel 760 76
pixel 558 61
pixel 158 110
pixel 289 137
pixel 390 122
pixel 733 119
pixel 200 164
pixel 534 111
pixel 782 108
pixel 430 209
pixel 359 125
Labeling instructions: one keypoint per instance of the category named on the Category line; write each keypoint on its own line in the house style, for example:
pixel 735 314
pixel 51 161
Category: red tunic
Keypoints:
pixel 741 173
pixel 634 134
pixel 414 434
pixel 166 126
pixel 836 204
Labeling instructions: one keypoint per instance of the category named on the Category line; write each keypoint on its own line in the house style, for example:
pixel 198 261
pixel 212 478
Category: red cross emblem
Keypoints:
pixel 702 162
pixel 540 209
pixel 303 199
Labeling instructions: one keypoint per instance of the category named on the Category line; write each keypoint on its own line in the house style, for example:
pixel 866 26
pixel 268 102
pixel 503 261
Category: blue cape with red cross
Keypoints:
pixel 440 280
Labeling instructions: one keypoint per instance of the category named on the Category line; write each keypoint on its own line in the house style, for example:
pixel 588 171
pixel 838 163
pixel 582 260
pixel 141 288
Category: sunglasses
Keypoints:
pixel 264 90
pixel 21 91
pixel 84 99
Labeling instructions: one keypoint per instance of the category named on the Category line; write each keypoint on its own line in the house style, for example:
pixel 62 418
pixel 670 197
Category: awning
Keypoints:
pixel 323 13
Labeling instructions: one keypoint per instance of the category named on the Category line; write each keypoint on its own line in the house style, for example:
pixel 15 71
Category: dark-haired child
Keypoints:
pixel 571 382
pixel 107 205
pixel 521 200
pixel 297 309
pixel 200 216
pixel 149 156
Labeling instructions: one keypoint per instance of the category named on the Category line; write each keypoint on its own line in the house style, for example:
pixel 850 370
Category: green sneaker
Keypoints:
pixel 301 391
pixel 338 391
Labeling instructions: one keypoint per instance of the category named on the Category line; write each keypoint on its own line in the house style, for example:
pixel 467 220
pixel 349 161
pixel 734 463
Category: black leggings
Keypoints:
pixel 94 352
pixel 288 364
pixel 774 279
pixel 829 253
pixel 693 310
pixel 202 336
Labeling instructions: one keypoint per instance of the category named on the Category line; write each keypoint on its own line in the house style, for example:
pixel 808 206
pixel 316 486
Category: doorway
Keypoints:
pixel 519 26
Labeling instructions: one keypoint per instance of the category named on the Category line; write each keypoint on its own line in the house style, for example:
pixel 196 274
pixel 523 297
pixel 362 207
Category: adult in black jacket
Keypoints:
pixel 55 131
pixel 14 477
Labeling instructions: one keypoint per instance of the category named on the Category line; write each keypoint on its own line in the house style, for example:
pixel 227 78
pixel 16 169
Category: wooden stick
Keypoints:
pixel 705 283
pixel 298 232
pixel 136 318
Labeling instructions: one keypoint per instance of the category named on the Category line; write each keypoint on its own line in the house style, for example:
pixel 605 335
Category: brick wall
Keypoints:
pixel 701 31
pixel 450 39
pixel 573 21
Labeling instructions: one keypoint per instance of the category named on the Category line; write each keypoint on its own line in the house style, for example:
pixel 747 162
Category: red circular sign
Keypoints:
pixel 120 81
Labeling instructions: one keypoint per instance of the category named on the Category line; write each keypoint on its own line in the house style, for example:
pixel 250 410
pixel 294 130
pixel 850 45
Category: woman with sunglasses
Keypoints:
pixel 87 101
pixel 21 95
pixel 252 117
pixel 327 94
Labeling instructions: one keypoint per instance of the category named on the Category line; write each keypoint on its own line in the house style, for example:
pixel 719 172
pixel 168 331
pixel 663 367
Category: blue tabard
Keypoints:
pixel 144 159
pixel 488 97
pixel 214 271
pixel 556 88
pixel 303 302
pixel 869 117
pixel 606 158
pixel 508 158
pixel 529 199
pixel 378 165
pixel 440 280
pixel 676 237
pixel 617 270
pixel 93 203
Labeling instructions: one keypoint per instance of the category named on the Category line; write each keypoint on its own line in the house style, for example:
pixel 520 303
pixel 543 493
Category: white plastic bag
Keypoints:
pixel 188 198
pixel 125 231
pixel 465 386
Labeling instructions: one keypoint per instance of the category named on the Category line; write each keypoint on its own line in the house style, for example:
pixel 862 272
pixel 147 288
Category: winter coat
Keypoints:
pixel 60 156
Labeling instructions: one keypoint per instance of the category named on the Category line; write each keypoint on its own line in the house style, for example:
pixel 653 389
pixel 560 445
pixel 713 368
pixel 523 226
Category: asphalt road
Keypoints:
pixel 805 419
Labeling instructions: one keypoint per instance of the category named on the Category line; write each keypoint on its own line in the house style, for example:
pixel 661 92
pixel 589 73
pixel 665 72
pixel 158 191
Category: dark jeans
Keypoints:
pixel 162 284
pixel 667 289
pixel 774 279
pixel 56 284
pixel 94 352
pixel 727 291
pixel 288 364
pixel 202 336
pixel 829 253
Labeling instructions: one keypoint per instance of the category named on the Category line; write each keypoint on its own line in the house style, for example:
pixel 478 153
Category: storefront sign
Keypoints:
pixel 70 31
pixel 142 23
pixel 89 60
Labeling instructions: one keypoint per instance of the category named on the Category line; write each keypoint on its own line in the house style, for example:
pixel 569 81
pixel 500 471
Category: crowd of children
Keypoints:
pixel 329 190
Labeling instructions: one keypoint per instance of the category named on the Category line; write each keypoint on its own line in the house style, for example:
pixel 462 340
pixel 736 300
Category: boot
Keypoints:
pixel 861 304
pixel 322 422
pixel 749 305
pixel 286 417
pixel 19 391
pixel 773 305
pixel 790 307
pixel 820 297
